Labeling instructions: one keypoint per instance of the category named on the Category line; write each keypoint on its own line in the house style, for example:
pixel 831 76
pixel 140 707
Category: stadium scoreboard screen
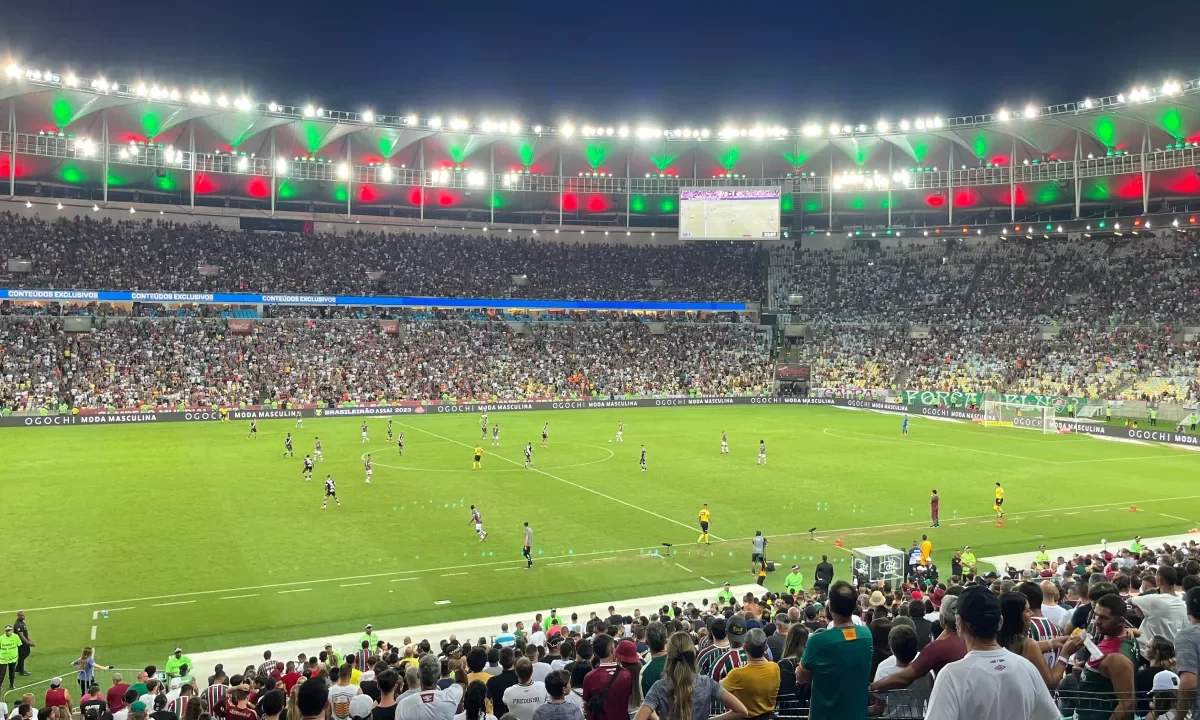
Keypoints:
pixel 745 213
pixel 792 373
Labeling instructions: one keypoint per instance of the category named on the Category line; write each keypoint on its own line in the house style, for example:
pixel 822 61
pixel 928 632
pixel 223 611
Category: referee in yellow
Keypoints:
pixel 999 506
pixel 705 519
pixel 478 464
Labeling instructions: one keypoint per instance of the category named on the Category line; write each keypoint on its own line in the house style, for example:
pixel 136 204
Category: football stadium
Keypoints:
pixel 323 412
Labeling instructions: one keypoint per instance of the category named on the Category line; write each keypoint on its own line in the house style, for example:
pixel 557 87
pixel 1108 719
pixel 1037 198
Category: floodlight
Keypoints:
pixel 28 204
pixel 175 94
pixel 13 70
pixel 59 206
pixel 623 131
pixel 412 120
pixel 222 101
pixel 704 132
pixel 368 116
pixel 71 80
pixel 537 129
pixel 132 211
pixel 459 124
pixel 281 166
pixel 904 125
pixel 568 130
pixel 141 91
pixel 1030 112
pixel 242 103
pixel 243 164
pixel 937 122
pixel 273 107
pixel 309 111
pixel 343 171
pixel 435 122
pixel 1087 103
pixel 1002 116
pixel 881 126
pixel 608 131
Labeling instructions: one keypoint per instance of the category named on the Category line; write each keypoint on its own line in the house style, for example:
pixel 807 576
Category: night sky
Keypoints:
pixel 674 63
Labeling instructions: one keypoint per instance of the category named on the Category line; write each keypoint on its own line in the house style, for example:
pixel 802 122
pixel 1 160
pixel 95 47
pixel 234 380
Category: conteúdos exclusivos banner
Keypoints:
pixel 437 408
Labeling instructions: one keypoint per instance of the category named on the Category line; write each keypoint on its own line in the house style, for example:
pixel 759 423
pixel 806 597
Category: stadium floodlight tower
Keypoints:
pixel 997 413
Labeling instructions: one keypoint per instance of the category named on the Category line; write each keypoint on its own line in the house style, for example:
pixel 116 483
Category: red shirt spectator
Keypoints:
pixel 115 696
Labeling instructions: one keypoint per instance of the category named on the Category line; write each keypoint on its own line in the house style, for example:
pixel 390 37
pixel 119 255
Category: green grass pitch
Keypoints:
pixel 201 530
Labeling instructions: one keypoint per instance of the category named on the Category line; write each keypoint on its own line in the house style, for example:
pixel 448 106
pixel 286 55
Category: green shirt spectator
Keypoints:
pixel 837 662
pixel 794 582
pixel 177 660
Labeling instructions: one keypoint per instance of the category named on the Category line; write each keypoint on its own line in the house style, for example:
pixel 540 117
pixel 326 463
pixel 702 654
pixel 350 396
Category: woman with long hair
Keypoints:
pixel 792 694
pixel 87 669
pixel 475 703
pixel 1014 636
pixel 1160 655
pixel 682 693
pixel 292 711
pixel 194 709
pixel 880 627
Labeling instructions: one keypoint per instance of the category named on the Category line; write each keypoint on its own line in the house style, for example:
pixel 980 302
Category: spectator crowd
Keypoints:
pixel 131 363
pixel 1101 635
pixel 150 255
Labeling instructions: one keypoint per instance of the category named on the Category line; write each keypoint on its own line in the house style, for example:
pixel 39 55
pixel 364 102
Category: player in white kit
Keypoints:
pixel 724 443
pixel 317 454
pixel 364 431
pixel 367 467
pixel 620 431
pixel 483 425
pixel 762 453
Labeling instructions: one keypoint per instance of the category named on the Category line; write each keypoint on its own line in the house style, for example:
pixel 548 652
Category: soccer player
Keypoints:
pixel 389 429
pixel 527 548
pixel 483 426
pixel 762 453
pixel 330 492
pixel 317 454
pixel 308 468
pixel 642 462
pixel 287 446
pixel 546 435
pixel 496 435
pixel 364 430
pixel 705 518
pixel 999 506
pixel 299 422
pixel 367 467
pixel 478 464
pixel 620 431
pixel 400 442
pixel 724 443
pixel 904 428
pixel 253 430
pixel 478 520
pixel 224 415
pixel 528 454
pixel 934 502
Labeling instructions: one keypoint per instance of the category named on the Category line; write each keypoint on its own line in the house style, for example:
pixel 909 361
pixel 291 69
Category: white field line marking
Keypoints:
pixel 365 582
pixel 865 437
pixel 568 562
pixel 843 531
pixel 93 633
pixel 684 568
pixel 238 597
pixel 95 616
pixel 566 482
pixel 1102 510
pixel 453 574
pixel 285 592
pixel 1075 512
pixel 518 567
pixel 710 582
pixel 169 604
pixel 1175 517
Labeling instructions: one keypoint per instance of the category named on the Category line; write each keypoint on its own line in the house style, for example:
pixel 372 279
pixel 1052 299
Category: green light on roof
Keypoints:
pixel 1106 131
pixel 151 124
pixel 596 154
pixel 662 161
pixel 525 150
pixel 61 109
pixel 667 204
pixel 637 203
pixel 286 191
pixel 980 145
pixel 1103 224
pixel 787 203
pixel 1171 121
pixel 729 159
pixel 1049 227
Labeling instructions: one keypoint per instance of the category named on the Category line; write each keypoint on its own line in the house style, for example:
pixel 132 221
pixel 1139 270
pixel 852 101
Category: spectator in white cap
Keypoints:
pixel 1164 697
pixel 57 695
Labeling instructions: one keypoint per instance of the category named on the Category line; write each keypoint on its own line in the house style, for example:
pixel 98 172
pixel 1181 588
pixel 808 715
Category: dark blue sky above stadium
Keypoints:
pixel 700 63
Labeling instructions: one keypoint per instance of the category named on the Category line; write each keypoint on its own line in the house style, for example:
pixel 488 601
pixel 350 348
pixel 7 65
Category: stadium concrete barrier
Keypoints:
pixel 442 408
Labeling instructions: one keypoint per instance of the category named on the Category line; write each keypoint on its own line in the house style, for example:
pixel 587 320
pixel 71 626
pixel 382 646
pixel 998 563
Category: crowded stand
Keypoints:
pixel 148 255
pixel 976 644
pixel 202 362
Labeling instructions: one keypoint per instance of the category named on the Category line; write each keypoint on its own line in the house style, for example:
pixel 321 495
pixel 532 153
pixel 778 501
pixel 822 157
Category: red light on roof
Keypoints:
pixel 938 231
pixel 1193 219
pixel 1137 222
pixel 1018 228
pixel 966 230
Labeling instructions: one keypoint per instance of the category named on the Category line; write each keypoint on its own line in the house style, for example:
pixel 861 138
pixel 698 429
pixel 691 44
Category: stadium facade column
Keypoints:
pixel 421 179
pixel 560 186
pixel 1078 149
pixel 1145 172
pixel 950 189
pixel 108 152
pixel 192 151
pixel 492 182
pixel 1012 185
pixel 349 177
pixel 891 148
pixel 628 191
pixel 831 151
pixel 274 174
pixel 12 149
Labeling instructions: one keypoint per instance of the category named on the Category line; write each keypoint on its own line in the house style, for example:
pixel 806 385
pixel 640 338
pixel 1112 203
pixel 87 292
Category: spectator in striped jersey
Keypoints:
pixel 216 693
pixel 1041 629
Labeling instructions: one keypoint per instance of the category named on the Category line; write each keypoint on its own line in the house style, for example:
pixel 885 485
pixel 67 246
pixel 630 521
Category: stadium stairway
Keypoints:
pixel 464 630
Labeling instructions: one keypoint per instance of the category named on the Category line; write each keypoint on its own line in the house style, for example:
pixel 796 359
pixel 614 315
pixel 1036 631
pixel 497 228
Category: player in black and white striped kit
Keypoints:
pixel 528 454
pixel 253 430
pixel 389 429
pixel 400 442
pixel 287 446
pixel 308 468
pixel 330 492
pixel 483 425
pixel 642 462
pixel 496 435
pixel 367 467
